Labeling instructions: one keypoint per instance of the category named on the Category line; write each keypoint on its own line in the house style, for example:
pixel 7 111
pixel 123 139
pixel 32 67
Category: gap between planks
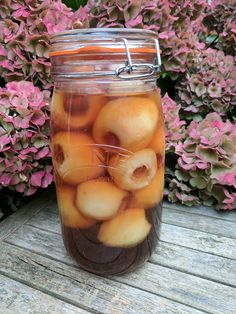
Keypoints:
pixel 222 275
pixel 14 221
pixel 50 218
pixel 207 211
pixel 202 241
pixel 187 250
pixel 211 257
pixel 200 223
pixel 82 288
pixel 160 277
pixel 185 255
pixel 50 207
pixel 20 298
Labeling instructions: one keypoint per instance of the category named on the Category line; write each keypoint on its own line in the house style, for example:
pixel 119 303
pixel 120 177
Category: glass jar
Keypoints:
pixel 107 141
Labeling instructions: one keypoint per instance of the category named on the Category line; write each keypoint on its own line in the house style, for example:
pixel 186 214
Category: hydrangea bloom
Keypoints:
pixel 174 126
pixel 210 84
pixel 207 162
pixel 181 192
pixel 25 163
pixel 24 38
pixel 221 25
pixel 229 201
pixel 200 168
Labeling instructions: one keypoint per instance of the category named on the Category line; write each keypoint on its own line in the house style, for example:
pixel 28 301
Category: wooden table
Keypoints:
pixel 192 271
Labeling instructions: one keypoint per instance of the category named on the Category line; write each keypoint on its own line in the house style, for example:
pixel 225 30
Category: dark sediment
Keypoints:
pixel 92 255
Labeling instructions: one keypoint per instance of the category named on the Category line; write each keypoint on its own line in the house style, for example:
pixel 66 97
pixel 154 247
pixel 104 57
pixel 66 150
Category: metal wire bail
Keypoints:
pixel 148 68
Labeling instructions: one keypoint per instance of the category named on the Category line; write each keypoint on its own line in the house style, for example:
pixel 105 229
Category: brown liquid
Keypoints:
pixel 119 241
pixel 92 255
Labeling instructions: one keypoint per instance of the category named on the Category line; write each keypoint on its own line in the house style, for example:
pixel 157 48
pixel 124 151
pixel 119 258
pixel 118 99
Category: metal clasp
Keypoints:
pixel 146 69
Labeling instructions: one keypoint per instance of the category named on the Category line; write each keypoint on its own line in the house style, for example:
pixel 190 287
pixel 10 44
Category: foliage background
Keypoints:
pixel 197 82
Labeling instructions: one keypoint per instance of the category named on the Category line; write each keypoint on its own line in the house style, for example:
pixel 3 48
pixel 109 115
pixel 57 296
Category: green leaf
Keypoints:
pixel 227 145
pixel 164 74
pixel 212 38
pixel 218 193
pixel 208 154
pixel 198 182
pixel 74 4
pixel 181 176
pixel 8 127
pixel 196 173
pixel 208 202
pixel 38 142
pixel 204 195
pixel 197 117
pixel 191 147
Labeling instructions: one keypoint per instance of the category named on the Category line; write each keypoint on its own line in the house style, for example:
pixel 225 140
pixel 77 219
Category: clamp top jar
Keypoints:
pixel 130 53
pixel 107 141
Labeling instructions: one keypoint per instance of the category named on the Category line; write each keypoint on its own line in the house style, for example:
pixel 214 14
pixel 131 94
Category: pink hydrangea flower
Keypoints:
pixel 207 159
pixel 24 38
pixel 25 163
pixel 224 25
pixel 209 85
pixel 57 18
pixel 229 201
pixel 174 125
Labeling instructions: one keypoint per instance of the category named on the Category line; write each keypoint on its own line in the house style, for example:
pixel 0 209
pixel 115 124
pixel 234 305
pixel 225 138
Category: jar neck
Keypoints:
pixel 104 65
pixel 106 86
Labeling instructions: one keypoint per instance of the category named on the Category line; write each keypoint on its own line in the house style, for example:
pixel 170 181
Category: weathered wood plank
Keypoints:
pixel 46 198
pixel 199 222
pixel 48 219
pixel 185 259
pixel 201 264
pixel 190 290
pixel 198 240
pixel 202 241
pixel 17 298
pixel 169 283
pixel 41 242
pixel 203 210
pixel 81 288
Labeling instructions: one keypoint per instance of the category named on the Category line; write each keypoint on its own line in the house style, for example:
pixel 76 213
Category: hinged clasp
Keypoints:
pixel 144 69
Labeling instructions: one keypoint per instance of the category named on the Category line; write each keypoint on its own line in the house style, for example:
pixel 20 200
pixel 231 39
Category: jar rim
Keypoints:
pixel 103 31
pixel 88 40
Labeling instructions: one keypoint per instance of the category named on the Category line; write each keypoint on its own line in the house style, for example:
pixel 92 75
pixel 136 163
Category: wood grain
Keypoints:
pixel 194 262
pixel 193 239
pixel 203 210
pixel 168 283
pixel 14 221
pixel 49 220
pixel 205 242
pixel 17 298
pixel 171 255
pixel 193 270
pixel 198 222
pixel 81 288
